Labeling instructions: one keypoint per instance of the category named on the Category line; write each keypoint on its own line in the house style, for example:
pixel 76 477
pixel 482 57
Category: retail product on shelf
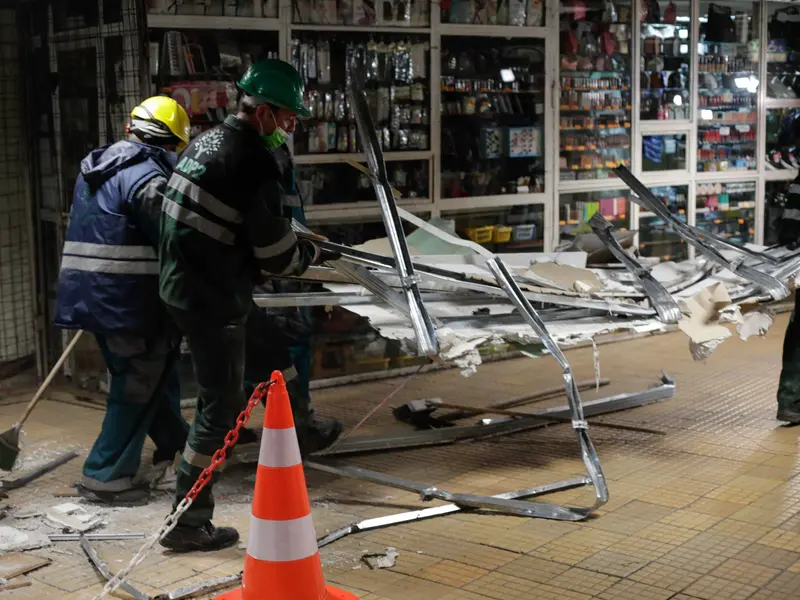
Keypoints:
pixel 664 152
pixel 515 229
pixel 783 52
pixel 782 149
pixel 215 8
pixel 665 62
pixel 595 101
pixel 727 82
pixel 396 76
pixel 341 183
pixel 493 12
pixel 386 13
pixel 492 117
pixel 727 210
pixel 199 70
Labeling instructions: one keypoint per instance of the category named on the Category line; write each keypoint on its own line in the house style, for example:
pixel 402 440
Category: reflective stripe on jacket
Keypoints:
pixel 108 282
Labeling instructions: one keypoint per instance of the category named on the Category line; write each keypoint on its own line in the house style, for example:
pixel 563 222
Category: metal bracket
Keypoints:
pixel 427 344
pixel 645 198
pixel 665 305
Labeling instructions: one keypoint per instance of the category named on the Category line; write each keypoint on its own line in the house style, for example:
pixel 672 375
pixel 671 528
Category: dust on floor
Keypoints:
pixel 709 511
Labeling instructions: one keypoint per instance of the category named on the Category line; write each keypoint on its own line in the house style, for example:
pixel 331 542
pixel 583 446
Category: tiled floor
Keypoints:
pixel 711 510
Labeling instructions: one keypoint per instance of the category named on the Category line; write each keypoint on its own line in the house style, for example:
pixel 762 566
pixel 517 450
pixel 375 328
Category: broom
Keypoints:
pixel 9 440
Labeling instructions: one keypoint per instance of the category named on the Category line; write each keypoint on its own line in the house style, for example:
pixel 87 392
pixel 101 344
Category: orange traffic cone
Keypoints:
pixel 282 560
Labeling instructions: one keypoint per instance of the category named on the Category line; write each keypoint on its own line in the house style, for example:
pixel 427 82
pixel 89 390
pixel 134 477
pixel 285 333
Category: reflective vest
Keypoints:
pixel 109 270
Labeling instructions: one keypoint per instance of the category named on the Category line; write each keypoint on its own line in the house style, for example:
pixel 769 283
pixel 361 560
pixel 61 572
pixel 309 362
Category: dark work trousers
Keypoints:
pixel 218 355
pixel 143 399
pixel 268 350
pixel 789 383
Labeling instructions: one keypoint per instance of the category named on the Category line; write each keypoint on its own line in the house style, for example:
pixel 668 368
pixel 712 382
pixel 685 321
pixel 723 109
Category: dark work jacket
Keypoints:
pixel 108 281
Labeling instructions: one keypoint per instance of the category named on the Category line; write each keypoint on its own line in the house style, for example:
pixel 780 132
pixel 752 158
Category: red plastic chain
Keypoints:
pixel 230 440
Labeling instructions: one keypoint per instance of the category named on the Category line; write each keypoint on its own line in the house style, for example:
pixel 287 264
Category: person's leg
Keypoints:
pixel 789 382
pixel 168 429
pixel 320 432
pixel 218 359
pixel 137 368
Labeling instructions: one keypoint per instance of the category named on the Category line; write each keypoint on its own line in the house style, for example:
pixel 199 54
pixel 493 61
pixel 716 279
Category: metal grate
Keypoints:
pixel 17 345
pixel 88 69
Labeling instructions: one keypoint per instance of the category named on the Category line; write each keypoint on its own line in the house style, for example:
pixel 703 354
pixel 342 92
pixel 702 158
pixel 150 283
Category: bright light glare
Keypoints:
pixel 706 115
pixel 507 75
pixel 683 34
pixel 749 83
pixel 677 100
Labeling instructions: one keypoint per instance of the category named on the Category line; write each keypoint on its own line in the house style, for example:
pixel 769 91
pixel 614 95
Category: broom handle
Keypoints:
pixel 32 404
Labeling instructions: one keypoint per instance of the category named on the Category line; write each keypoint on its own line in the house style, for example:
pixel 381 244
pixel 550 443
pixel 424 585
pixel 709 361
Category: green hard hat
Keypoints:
pixel 275 82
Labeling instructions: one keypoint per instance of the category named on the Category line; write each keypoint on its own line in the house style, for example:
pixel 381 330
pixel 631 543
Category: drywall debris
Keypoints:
pixel 12 539
pixel 754 322
pixel 701 325
pixel 385 560
pixel 567 277
pixel 73 517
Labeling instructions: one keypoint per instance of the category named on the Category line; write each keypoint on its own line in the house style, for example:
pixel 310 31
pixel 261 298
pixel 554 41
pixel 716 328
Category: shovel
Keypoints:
pixel 9 440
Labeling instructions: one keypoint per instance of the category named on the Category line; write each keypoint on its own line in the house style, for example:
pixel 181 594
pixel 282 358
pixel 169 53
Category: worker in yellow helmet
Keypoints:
pixel 108 285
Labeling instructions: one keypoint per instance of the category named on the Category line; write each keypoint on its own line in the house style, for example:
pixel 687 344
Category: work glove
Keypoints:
pixel 319 255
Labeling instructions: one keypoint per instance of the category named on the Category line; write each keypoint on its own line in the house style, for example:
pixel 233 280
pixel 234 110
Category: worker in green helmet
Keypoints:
pixel 222 226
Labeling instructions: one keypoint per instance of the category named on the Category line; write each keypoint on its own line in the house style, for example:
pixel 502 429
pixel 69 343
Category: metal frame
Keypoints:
pixel 663 302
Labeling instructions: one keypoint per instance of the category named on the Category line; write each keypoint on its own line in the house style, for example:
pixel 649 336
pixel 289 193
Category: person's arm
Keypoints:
pixel 789 227
pixel 146 208
pixel 275 245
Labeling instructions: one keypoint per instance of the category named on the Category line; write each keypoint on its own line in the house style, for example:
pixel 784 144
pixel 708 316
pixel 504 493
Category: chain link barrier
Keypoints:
pixel 172 519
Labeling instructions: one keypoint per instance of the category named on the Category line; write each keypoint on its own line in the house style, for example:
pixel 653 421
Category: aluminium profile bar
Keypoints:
pixel 490 428
pixel 440 275
pixel 445 509
pixel 663 302
pixel 427 344
pixel 644 197
pixel 519 508
pixel 103 569
pixel 579 425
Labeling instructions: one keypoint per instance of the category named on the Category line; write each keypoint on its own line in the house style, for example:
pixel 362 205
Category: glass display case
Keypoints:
pixel 321 185
pixel 665 61
pixel 395 68
pixel 783 51
pixel 664 152
pixel 595 83
pixel 492 116
pixel 517 13
pixel 658 239
pixel 727 210
pixel 728 56
pixel 198 68
pixel 413 13
pixel 510 229
pixel 782 149
pixel 575 210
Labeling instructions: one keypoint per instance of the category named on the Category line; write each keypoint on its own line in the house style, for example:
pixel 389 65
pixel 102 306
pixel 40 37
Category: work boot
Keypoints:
pixel 788 416
pixel 247 436
pixel 138 496
pixel 205 538
pixel 318 434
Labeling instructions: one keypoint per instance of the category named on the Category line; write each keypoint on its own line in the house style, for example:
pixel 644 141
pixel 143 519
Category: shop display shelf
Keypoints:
pixel 174 21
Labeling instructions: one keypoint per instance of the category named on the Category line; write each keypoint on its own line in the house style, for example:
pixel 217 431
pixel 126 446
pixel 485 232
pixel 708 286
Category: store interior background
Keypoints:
pixel 500 119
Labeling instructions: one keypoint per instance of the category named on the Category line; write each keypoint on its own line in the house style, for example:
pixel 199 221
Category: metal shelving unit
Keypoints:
pixel 685 124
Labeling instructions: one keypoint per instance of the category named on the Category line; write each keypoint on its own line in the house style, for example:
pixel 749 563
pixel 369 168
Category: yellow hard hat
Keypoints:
pixel 161 120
